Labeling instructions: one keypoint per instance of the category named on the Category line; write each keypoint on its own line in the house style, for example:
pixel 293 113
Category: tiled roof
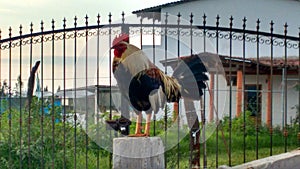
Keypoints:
pixel 279 62
pixel 250 64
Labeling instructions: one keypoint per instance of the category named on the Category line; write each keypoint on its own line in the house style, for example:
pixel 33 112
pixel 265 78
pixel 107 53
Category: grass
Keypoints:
pixel 53 154
pixel 237 148
pixel 237 151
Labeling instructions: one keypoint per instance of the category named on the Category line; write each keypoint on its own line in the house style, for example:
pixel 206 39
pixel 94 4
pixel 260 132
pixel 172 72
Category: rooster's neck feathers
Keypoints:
pixel 134 60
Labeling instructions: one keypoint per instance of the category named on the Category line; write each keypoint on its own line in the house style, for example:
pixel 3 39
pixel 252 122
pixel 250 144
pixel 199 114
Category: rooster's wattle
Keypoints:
pixel 146 87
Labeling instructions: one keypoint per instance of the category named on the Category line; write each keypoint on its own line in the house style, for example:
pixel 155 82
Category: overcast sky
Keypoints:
pixel 16 12
pixel 13 13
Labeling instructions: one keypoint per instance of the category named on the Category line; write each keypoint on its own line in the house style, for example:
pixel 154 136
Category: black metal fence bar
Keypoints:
pixel 285 132
pixel 20 99
pixel 243 89
pixel 64 95
pixel 230 93
pixel 110 81
pixel 166 111
pixel 171 26
pixel 202 103
pixel 178 108
pixel 53 97
pixel 98 91
pixel 10 102
pixel 75 94
pixel 299 92
pixel 271 87
pixel 257 107
pixel 215 90
pixel 86 95
pixel 42 94
pixel 232 36
pixel 29 106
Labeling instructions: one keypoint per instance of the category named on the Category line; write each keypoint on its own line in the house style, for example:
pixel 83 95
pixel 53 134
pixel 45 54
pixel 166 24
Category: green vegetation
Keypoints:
pixel 51 148
pixel 237 142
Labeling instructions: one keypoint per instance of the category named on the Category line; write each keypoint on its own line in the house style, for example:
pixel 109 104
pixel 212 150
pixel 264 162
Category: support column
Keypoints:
pixel 175 111
pixel 239 93
pixel 212 97
pixel 193 123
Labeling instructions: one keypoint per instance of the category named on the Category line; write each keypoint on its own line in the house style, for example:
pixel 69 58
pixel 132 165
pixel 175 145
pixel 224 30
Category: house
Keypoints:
pixel 88 101
pixel 262 95
pixel 265 94
pixel 264 10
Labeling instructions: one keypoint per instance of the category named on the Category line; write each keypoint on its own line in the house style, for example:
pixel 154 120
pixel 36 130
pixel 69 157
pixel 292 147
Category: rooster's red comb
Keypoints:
pixel 122 37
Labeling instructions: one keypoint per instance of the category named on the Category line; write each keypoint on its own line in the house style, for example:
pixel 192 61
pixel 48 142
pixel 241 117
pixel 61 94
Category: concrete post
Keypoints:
pixel 138 152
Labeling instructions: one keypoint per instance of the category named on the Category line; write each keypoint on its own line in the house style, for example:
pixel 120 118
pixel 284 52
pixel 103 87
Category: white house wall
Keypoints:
pixel 264 10
pixel 278 100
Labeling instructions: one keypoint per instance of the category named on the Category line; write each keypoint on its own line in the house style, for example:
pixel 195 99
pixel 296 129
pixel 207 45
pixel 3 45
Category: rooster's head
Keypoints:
pixel 119 46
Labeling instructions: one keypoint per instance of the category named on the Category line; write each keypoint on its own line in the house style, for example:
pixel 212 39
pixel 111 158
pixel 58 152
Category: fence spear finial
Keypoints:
pixel 204 19
pixel 244 22
pixel 231 21
pixel 123 17
pixel 218 20
pixel 272 26
pixel 64 23
pixel 86 20
pixel 285 29
pixel 9 34
pixel 20 32
pixel 75 21
pixel 109 17
pixel 166 17
pixel 178 17
pixel 257 24
pixel 53 22
pixel 98 19
pixel 42 25
pixel 31 28
pixel 191 18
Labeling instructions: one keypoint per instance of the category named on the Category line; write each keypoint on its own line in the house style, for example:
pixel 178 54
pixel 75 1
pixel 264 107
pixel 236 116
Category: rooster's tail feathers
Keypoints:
pixel 190 74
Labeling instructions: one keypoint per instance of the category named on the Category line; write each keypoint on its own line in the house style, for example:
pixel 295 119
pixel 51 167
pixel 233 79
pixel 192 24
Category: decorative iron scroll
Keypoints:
pixel 158 30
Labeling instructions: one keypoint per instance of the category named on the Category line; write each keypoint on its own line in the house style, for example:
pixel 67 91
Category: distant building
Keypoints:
pixel 258 92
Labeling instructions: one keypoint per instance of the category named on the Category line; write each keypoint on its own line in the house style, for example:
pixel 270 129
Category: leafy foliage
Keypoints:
pixel 40 139
pixel 52 142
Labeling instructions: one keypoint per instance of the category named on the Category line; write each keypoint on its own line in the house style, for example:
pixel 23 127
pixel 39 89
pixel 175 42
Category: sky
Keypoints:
pixel 16 12
pixel 19 12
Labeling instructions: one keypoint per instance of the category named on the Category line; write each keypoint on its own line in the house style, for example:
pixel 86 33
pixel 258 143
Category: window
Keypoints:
pixel 253 100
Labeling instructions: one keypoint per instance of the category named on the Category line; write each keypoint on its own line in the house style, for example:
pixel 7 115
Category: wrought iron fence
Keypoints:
pixel 252 92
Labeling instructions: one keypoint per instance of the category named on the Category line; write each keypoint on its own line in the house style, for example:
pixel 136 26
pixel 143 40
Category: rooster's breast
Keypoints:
pixel 141 87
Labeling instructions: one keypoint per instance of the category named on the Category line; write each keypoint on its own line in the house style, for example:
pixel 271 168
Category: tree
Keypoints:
pixel 4 88
pixel 18 86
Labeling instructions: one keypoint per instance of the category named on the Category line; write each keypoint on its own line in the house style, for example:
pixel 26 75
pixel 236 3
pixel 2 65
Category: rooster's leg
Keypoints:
pixel 147 127
pixel 138 127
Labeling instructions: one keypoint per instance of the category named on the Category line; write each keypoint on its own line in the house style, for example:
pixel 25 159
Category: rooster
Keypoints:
pixel 147 88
